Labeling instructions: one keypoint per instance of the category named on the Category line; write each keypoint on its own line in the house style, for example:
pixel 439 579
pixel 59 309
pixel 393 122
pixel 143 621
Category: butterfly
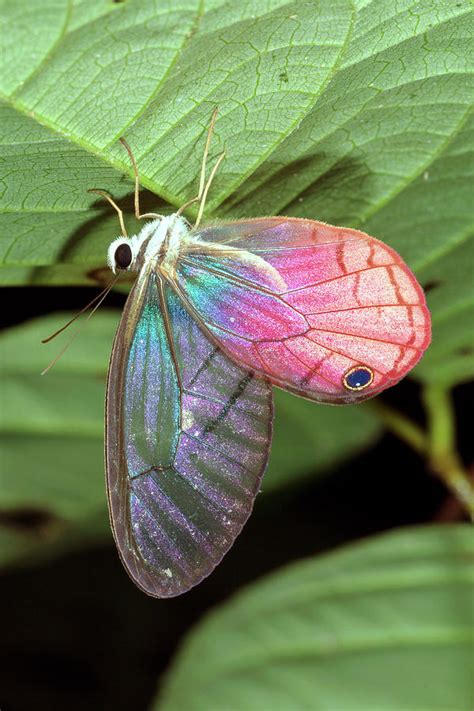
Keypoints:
pixel 216 317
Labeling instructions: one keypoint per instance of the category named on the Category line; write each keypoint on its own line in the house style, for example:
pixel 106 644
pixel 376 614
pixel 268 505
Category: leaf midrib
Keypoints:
pixel 248 660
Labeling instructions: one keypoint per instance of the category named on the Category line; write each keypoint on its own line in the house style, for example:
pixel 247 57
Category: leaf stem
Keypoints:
pixel 402 426
pixel 437 445
pixel 443 456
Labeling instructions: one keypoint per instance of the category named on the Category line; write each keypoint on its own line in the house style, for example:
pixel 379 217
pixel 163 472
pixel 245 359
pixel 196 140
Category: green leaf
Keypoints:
pixel 51 434
pixel 383 625
pixel 52 493
pixel 85 91
pixel 353 113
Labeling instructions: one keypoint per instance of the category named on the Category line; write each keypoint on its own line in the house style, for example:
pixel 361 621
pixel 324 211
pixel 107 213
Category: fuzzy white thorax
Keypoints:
pixel 176 227
pixel 156 232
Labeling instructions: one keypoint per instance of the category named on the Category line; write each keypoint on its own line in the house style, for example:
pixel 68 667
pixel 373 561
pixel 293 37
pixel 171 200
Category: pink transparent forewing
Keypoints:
pixel 302 303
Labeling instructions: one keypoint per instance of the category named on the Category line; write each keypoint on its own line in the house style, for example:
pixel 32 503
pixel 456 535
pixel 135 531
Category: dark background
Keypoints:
pixel 76 634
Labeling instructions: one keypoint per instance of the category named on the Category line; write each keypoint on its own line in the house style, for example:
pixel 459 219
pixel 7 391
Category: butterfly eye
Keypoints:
pixel 358 378
pixel 123 256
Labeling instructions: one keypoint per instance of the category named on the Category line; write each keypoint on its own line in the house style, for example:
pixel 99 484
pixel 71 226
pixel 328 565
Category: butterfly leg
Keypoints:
pixel 136 199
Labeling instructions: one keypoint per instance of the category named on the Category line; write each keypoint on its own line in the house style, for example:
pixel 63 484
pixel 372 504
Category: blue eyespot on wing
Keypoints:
pixel 358 378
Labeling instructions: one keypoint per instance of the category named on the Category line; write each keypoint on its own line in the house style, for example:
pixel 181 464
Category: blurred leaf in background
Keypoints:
pixel 384 624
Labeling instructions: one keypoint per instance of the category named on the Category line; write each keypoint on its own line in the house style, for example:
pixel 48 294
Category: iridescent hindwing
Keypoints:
pixel 188 434
pixel 326 312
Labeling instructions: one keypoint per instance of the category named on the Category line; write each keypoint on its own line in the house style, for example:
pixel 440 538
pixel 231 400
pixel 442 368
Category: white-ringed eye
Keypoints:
pixel 123 256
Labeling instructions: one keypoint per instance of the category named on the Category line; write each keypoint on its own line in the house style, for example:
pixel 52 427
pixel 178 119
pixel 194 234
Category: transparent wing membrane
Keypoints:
pixel 186 444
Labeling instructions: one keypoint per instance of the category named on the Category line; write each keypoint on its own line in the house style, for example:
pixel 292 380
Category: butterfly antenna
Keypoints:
pixel 206 189
pixel 210 131
pixel 136 196
pixel 203 187
pixel 97 300
pixel 109 199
